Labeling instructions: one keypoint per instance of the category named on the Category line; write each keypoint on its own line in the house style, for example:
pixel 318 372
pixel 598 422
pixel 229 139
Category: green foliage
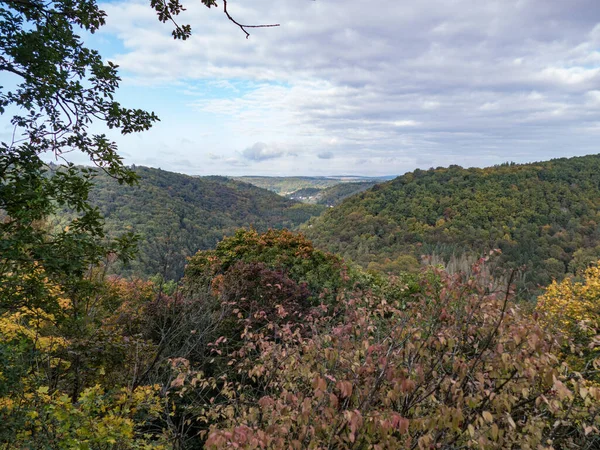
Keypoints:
pixel 287 185
pixel 55 345
pixel 544 216
pixel 324 275
pixel 58 88
pixel 176 215
pixel 98 420
pixel 71 378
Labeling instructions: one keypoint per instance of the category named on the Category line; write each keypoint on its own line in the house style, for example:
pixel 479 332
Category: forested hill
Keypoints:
pixel 176 215
pixel 544 215
pixel 334 195
pixel 289 186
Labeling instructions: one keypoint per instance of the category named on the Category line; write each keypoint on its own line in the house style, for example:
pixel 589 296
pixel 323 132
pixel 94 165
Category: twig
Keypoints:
pixel 243 27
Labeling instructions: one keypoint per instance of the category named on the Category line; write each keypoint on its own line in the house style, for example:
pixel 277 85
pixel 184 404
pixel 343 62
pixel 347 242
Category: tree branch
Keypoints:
pixel 243 27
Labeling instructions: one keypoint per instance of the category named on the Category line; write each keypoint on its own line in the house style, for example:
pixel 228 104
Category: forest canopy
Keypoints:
pixel 175 215
pixel 544 217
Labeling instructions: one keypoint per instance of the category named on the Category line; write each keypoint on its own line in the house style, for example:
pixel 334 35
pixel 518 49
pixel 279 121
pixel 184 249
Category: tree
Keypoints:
pixel 572 308
pixel 57 88
pixel 54 306
pixel 168 11
pixel 60 88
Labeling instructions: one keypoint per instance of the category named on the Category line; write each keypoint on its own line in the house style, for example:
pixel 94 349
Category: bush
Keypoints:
pixel 456 367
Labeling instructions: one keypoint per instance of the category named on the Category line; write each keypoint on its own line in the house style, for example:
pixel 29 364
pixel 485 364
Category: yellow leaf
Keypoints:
pixel 495 432
pixel 511 422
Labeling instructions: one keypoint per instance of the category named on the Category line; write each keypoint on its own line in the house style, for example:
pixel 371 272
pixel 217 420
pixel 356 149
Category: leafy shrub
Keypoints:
pixel 287 255
pixel 573 308
pixel 457 367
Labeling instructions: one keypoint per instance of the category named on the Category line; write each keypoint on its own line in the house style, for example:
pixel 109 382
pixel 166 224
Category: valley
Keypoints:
pixel 237 291
pixel 454 308
pixel 175 215
pixel 542 217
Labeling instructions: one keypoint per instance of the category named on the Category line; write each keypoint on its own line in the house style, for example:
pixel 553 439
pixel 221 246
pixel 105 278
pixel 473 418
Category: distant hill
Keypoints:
pixel 331 195
pixel 287 186
pixel 176 215
pixel 334 195
pixel 306 195
pixel 545 216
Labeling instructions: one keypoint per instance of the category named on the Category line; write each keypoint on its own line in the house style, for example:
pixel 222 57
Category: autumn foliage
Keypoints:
pixel 266 277
pixel 456 367
pixel 272 344
pixel 572 308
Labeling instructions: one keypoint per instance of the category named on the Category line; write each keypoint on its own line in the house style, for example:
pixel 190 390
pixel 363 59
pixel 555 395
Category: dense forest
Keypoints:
pixel 286 186
pixel 176 215
pixel 544 217
pixel 332 195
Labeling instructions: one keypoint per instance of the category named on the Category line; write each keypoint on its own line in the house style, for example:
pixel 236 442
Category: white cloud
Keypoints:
pixel 261 152
pixel 405 123
pixel 468 82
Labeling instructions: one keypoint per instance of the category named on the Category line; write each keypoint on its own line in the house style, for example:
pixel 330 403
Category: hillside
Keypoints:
pixel 544 216
pixel 176 215
pixel 306 195
pixel 294 186
pixel 287 185
pixel 334 195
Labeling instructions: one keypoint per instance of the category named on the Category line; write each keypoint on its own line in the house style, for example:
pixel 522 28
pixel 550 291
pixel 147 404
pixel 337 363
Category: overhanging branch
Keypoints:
pixel 243 27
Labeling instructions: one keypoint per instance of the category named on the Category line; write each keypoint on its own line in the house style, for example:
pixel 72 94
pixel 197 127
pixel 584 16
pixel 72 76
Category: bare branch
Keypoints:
pixel 243 27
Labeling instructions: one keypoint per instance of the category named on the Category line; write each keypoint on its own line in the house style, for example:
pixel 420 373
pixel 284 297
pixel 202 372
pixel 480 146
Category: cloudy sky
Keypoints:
pixel 355 87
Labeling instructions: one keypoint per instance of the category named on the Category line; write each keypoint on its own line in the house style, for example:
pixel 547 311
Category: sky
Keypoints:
pixel 355 87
